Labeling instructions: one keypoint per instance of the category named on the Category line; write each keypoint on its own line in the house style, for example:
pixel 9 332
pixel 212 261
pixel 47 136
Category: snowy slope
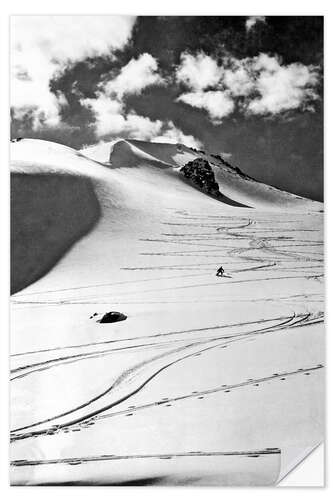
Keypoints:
pixel 236 186
pixel 206 373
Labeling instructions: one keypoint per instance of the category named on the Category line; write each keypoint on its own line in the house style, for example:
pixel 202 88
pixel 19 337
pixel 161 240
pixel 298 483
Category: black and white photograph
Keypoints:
pixel 167 248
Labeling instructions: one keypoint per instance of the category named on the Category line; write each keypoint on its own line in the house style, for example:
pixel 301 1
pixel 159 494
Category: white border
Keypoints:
pixel 309 472
pixel 146 7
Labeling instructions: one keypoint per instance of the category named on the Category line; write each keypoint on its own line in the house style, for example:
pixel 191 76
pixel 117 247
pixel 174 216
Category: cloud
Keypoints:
pixel 109 107
pixel 253 20
pixel 110 110
pixel 282 88
pixel 42 45
pixel 218 103
pixel 238 78
pixel 173 134
pixel 112 120
pixel 135 76
pixel 199 71
pixel 255 85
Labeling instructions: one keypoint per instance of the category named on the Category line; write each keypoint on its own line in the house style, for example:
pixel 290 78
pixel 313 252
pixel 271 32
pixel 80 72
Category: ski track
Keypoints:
pixel 80 460
pixel 213 237
pixel 163 362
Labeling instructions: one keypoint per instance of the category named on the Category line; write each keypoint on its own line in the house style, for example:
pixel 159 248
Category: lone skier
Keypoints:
pixel 220 271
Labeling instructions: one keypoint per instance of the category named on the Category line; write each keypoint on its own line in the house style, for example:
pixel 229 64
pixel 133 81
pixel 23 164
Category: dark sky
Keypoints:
pixel 282 146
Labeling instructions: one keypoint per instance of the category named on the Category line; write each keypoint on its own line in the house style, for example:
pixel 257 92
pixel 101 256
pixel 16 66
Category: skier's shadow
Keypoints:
pixel 224 276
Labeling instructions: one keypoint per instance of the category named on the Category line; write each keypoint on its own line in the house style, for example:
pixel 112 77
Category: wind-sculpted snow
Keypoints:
pixel 49 213
pixel 236 188
pixel 209 380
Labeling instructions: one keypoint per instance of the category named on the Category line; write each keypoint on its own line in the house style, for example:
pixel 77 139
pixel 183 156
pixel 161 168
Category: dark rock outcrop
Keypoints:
pixel 112 317
pixel 202 176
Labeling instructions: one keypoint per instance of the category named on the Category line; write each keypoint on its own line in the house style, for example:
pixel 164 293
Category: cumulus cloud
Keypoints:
pixel 112 120
pixel 198 71
pixel 258 85
pixel 135 76
pixel 109 107
pixel 251 21
pixel 173 134
pixel 282 87
pixel 44 45
pixel 41 45
pixel 238 78
pixel 218 104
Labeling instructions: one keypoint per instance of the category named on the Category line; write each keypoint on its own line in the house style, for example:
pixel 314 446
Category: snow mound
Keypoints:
pixel 53 204
pixel 49 213
pixel 241 189
pixel 59 194
pixel 138 238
